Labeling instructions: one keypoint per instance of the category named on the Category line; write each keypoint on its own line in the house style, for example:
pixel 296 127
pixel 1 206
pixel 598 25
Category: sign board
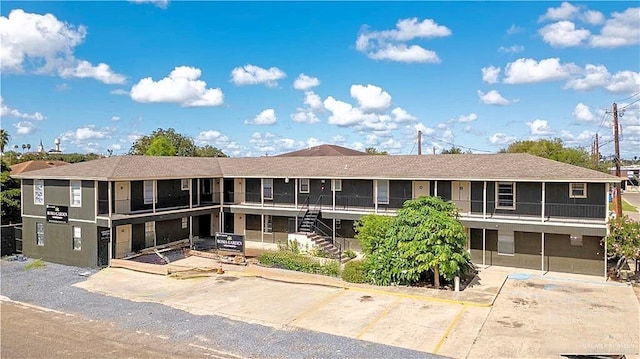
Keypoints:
pixel 57 214
pixel 230 242
pixel 105 235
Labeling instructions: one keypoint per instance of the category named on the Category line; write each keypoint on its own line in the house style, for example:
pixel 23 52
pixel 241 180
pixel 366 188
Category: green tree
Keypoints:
pixel 183 145
pixel 209 151
pixel 160 146
pixel 4 139
pixel 425 236
pixel 9 195
pixel 623 240
pixel 452 151
pixel 374 151
pixel 553 150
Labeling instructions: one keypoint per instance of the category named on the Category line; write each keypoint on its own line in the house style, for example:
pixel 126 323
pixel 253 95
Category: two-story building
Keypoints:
pixel 519 210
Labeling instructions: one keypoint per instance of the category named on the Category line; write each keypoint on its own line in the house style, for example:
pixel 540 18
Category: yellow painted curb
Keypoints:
pixel 451 326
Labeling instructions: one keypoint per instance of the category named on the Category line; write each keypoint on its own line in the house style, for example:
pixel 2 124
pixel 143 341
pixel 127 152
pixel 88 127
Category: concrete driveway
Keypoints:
pixel 532 316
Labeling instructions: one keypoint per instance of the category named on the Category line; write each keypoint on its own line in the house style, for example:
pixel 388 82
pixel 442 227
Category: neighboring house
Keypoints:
pixel 519 210
pixel 35 165
pixel 324 150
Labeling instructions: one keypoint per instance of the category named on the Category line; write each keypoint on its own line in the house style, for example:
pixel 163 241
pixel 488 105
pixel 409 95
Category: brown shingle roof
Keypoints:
pixel 35 165
pixel 324 150
pixel 490 167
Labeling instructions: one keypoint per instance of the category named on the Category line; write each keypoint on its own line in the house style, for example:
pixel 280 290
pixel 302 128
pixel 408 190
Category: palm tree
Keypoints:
pixel 4 139
pixel 24 147
pixel 28 146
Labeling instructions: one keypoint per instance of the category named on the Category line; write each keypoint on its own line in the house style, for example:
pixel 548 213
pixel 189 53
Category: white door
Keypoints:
pixel 122 197
pixel 123 240
pixel 420 188
pixel 461 195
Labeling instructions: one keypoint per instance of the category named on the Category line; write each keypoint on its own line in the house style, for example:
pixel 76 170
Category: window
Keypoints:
pixel 576 241
pixel 336 185
pixel 304 185
pixel 77 238
pixel 148 192
pixel 185 223
pixel 268 223
pixel 383 191
pixel 207 185
pixel 267 188
pixel 40 233
pixel 505 244
pixel 184 184
pixel 150 233
pixel 76 193
pixel 577 190
pixel 38 192
pixel 506 195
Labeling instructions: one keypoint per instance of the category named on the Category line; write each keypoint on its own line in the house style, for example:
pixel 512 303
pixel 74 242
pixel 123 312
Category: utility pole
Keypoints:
pixel 597 153
pixel 616 141
pixel 419 142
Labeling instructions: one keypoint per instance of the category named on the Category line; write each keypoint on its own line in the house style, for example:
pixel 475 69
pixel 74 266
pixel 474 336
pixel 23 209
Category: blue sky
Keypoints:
pixel 265 78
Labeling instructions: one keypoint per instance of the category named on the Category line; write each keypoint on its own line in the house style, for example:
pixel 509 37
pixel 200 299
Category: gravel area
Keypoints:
pixel 51 287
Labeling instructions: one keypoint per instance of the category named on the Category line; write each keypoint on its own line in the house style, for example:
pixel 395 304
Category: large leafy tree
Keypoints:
pixel 9 195
pixel 183 145
pixel 425 236
pixel 552 149
pixel 375 151
pixel 160 146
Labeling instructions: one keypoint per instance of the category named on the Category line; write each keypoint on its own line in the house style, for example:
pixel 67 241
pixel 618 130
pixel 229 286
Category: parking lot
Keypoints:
pixel 532 317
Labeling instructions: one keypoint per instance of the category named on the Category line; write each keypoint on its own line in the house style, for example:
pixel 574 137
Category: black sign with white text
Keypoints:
pixel 57 214
pixel 230 242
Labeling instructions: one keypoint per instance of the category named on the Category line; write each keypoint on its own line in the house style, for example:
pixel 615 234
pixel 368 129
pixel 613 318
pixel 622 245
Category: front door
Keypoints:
pixel 123 240
pixel 104 235
pixel 461 195
pixel 122 197
pixel 420 188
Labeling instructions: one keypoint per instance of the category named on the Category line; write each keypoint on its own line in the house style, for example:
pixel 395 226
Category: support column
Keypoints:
pixel 155 195
pixel 484 200
pixel 542 251
pixel 435 189
pixel 261 228
pixel 191 231
pixel 262 193
pixel 542 212
pixel 484 247
pixel 110 197
pixel 333 191
pixel 606 217
pixel 375 196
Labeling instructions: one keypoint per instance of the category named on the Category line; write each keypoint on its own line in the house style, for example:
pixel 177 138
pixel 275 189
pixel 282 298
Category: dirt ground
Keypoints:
pixel 32 332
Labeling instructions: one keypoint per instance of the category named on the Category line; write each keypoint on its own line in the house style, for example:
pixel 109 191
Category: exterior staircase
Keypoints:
pixel 308 221
pixel 308 226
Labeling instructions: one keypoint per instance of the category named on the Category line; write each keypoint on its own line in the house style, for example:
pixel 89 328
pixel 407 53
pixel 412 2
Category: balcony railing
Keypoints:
pixel 534 209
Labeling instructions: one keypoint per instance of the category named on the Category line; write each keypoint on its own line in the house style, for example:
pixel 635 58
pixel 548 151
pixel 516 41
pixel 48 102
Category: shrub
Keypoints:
pixel 349 253
pixel 297 262
pixel 353 272
pixel 37 263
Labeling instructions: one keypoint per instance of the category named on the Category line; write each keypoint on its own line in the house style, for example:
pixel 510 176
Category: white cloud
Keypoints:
pixel 266 117
pixel 428 131
pixel 594 76
pixel 624 82
pixel 304 82
pixel 119 92
pixel 102 72
pixel 24 127
pixel 575 140
pixel 597 76
pixel 391 44
pixel 253 75
pixel 467 118
pixel 270 144
pixel 182 87
pixel 513 49
pixel 63 87
pixel 490 74
pixel 162 4
pixel 492 97
pixel 583 113
pixel 342 113
pixel 400 115
pixel 303 116
pixel 87 133
pixel 371 98
pixel 404 53
pixel 6 111
pixel 564 12
pixel 563 34
pixel 116 147
pixel 210 136
pixel 45 45
pixel 312 142
pixel 622 29
pixel 501 139
pixel 219 140
pixel 592 17
pixel 514 29
pixel 115 118
pixel 530 71
pixel 539 127
pixel 312 100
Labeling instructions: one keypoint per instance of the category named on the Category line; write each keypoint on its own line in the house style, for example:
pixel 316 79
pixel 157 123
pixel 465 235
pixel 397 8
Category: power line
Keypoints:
pixel 635 94
pixel 629 104
pixel 453 144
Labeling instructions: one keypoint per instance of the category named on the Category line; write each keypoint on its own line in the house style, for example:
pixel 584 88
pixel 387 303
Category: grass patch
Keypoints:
pixel 298 262
pixel 626 206
pixel 37 263
pixel 353 272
